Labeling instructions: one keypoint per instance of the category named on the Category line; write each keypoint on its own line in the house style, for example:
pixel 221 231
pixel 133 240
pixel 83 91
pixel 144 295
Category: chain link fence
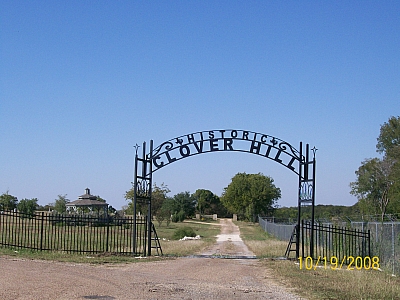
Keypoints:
pixel 385 236
pixel 274 227
pixel 385 242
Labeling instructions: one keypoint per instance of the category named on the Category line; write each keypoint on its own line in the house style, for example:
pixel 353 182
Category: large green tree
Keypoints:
pixel 28 206
pixel 7 201
pixel 204 200
pixel 208 203
pixel 377 184
pixel 389 145
pixel 389 138
pixel 373 185
pixel 250 194
pixel 184 204
pixel 168 208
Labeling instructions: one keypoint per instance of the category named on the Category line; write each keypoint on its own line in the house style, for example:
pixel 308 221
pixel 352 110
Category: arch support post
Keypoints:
pixel 306 198
pixel 142 188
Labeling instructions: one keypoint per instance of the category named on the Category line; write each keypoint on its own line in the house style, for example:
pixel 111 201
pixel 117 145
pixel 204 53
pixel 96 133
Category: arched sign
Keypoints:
pixel 225 140
pixel 209 141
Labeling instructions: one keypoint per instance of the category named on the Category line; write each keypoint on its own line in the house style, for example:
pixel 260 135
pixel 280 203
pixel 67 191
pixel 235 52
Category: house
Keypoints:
pixel 87 203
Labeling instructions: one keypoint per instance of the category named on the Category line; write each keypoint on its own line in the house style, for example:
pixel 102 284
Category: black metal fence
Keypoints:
pixel 334 241
pixel 329 240
pixel 73 233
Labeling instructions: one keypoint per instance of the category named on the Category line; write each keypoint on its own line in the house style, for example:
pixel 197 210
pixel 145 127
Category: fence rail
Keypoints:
pixel 72 233
pixel 334 241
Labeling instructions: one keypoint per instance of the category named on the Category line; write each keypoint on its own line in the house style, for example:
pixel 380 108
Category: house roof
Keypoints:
pixel 87 200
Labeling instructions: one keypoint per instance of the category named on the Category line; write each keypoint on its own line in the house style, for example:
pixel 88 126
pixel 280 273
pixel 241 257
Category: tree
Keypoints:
pixel 203 199
pixel 158 196
pixel 208 203
pixel 184 205
pixel 7 201
pixel 389 138
pixel 250 194
pixel 60 204
pixel 389 145
pixel 129 196
pixel 28 206
pixel 377 184
pixel 373 184
pixel 167 209
pixel 141 207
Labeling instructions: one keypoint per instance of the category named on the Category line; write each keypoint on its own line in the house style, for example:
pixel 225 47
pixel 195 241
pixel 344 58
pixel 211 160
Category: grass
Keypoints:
pixel 172 247
pixel 101 258
pixel 262 244
pixel 319 283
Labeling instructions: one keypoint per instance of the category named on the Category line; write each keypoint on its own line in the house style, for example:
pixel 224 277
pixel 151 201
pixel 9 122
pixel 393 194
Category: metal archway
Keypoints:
pixel 296 160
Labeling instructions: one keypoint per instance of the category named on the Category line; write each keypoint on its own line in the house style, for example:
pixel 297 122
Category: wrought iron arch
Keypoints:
pixel 209 141
pixel 225 140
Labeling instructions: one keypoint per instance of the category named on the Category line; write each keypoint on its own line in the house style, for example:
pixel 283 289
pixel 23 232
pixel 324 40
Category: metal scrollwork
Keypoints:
pixel 166 146
pixel 306 192
pixel 142 188
pixel 284 145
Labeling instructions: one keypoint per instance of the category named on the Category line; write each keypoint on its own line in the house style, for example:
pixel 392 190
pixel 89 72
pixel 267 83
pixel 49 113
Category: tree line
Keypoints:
pixel 10 202
pixel 248 195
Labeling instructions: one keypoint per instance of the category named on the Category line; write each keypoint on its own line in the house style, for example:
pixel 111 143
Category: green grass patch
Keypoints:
pixel 262 244
pixel 252 231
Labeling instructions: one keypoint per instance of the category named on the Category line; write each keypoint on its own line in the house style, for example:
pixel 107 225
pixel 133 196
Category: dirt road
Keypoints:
pixel 229 242
pixel 183 278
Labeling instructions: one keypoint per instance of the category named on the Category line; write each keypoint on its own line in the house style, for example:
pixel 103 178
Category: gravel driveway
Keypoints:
pixel 183 278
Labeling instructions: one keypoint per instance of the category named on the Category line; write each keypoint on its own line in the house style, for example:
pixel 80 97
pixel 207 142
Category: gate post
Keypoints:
pixel 299 204
pixel 134 200
pixel 306 195
pixel 142 185
pixel 149 217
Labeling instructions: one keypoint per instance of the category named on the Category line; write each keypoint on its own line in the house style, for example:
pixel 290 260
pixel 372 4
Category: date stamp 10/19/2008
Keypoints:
pixel 347 262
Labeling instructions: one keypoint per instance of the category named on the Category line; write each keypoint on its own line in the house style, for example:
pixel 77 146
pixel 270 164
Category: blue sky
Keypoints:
pixel 81 82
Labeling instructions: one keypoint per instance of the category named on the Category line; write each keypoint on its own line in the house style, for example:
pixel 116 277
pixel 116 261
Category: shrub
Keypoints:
pixel 182 232
pixel 178 217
